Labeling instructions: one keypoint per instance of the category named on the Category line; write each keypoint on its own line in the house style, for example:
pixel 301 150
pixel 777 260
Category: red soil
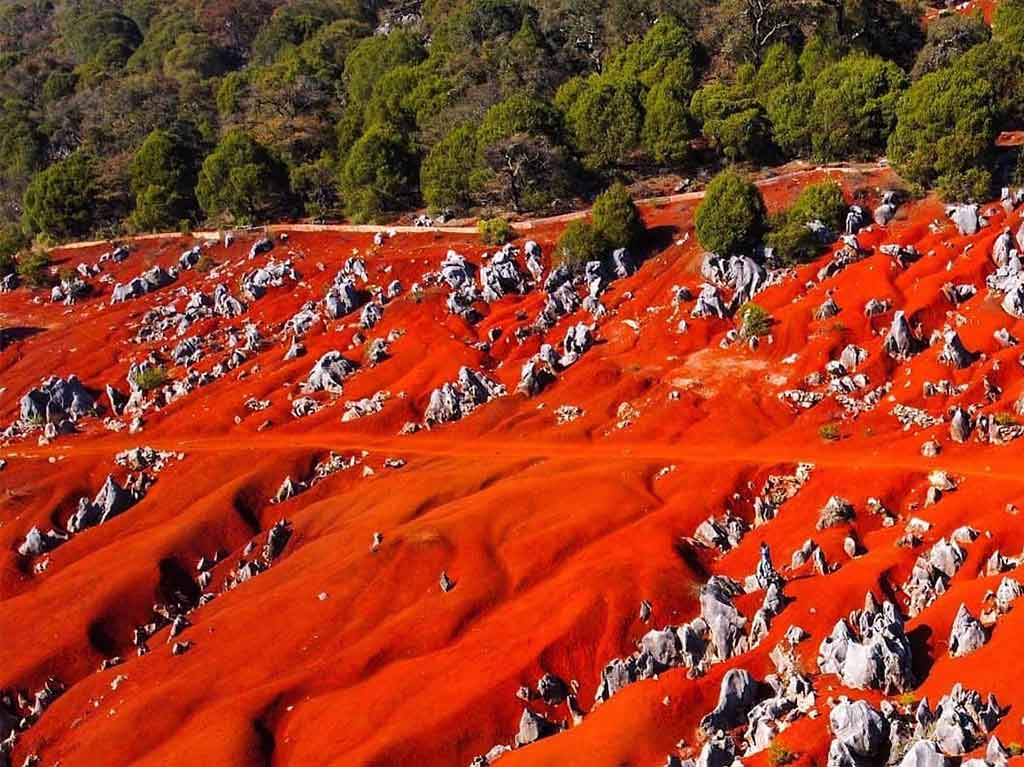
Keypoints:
pixel 552 534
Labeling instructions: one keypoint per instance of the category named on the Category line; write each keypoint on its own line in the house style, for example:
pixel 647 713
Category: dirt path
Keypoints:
pixel 523 226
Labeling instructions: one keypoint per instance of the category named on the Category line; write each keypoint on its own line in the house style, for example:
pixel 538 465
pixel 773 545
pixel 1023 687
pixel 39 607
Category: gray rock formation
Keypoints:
pixel 502 276
pixel 533 727
pixel 342 297
pixel 879 658
pixel 860 735
pixel 966 634
pixel 272 274
pixel 724 622
pixel 828 309
pixel 224 304
pixel 931 574
pixel 1007 593
pixel 924 753
pixel 1002 247
pixel 372 313
pixel 856 219
pixel 56 399
pixel 899 342
pixel 766 574
pixel 329 373
pixel 111 500
pixel 953 352
pixel 452 401
pixel 887 209
pixel 961 424
pixel 709 303
pixel 736 696
pixel 836 511
pixel 966 218
pixel 578 339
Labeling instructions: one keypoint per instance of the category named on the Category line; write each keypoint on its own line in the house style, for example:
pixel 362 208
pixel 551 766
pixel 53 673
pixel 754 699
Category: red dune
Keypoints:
pixel 552 534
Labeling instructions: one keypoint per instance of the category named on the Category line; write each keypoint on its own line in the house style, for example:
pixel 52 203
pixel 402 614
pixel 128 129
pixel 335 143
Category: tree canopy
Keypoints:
pixel 159 113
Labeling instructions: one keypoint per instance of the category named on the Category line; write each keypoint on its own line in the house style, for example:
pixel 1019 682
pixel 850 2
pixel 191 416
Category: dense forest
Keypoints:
pixel 132 115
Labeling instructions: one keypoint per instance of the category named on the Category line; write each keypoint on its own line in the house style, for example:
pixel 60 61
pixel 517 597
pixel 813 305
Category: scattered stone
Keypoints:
pixel 447 584
pixel 836 511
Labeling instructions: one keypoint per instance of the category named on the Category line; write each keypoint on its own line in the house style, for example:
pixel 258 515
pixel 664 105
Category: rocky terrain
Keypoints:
pixel 331 497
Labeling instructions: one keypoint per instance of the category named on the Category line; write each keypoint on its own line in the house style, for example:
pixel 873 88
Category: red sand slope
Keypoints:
pixel 552 534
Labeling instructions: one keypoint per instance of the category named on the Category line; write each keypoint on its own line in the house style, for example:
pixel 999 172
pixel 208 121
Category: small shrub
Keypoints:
pixel 754 321
pixel 822 202
pixel 151 378
pixel 1018 169
pixel 793 243
pixel 34 268
pixel 732 215
pixel 579 243
pixel 616 218
pixel 829 432
pixel 971 185
pixel 205 264
pixel 495 231
pixel 779 754
pixel 12 239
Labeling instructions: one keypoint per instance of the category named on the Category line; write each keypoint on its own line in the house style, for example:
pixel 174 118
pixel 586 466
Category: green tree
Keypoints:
pixel 446 173
pixel 12 239
pixel 163 178
pixel 817 55
pixel 788 108
pixel 161 36
pixel 616 219
pixel 854 108
pixel 89 34
pixel 325 52
pixel 519 113
pixel 823 201
pixel 605 119
pixel 1002 66
pixel 34 268
pixel 292 25
pixel 947 39
pixel 1008 23
pixel 780 66
pixel 378 174
pixel 373 57
pixel 495 231
pixel 60 200
pixel 667 52
pixel 733 121
pixel 316 185
pixel 520 157
pixel 242 179
pixel 579 243
pixel 667 128
pixel 526 172
pixel 945 131
pixel 793 243
pixel 194 55
pixel 732 216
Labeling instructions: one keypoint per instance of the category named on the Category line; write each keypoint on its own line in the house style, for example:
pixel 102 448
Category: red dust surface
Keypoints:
pixel 553 534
